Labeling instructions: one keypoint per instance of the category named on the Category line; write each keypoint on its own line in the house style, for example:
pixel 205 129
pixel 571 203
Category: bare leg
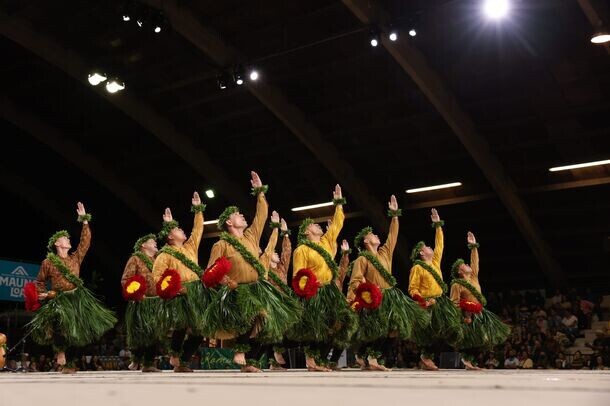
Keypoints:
pixel 376 366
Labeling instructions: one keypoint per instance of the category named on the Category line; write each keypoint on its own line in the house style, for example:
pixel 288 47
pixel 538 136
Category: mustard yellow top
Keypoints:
pixel 305 257
pixel 190 249
pixel 459 292
pixel 420 281
pixel 241 270
pixel 364 271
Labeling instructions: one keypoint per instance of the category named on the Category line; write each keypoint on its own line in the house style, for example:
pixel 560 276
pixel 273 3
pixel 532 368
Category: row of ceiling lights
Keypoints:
pixel 112 85
pixel 144 17
pixel 236 76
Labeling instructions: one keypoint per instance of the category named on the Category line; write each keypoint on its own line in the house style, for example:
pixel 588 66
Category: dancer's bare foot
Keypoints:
pixel 239 358
pixel 250 368
pixel 133 366
pixel 376 366
pixel 469 366
pixel 174 361
pixel 182 369
pixel 310 362
pixel 66 370
pixel 277 367
pixel 428 364
pixel 61 358
pixel 279 358
pixel 361 362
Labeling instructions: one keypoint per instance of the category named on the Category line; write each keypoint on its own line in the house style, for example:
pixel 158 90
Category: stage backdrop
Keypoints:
pixel 14 276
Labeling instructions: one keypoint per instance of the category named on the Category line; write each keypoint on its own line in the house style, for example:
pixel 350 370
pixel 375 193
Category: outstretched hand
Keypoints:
pixel 393 204
pixel 196 200
pixel 80 210
pixel 344 246
pixel 275 217
pixel 470 238
pixel 283 225
pixel 434 216
pixel 337 192
pixel 256 180
pixel 167 215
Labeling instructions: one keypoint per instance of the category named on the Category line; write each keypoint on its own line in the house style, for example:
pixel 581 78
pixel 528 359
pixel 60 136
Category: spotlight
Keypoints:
pixel 209 193
pixel 96 78
pixel 158 22
pixel 223 80
pixel 126 17
pixel 114 85
pixel 253 75
pixel 374 38
pixel 412 32
pixel 496 9
pixel 140 23
pixel 600 37
pixel 238 76
pixel 393 36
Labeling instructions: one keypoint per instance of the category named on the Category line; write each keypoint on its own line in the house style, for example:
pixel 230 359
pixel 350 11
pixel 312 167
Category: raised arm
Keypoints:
pixel 388 247
pixel 192 244
pixel 85 235
pixel 343 264
pixel 438 239
pixel 474 254
pixel 255 231
pixel 337 222
pixel 284 263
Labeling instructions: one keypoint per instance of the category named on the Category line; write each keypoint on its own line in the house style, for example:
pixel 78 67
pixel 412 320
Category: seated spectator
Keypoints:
pixel 511 362
pixel 570 324
pixel 561 362
pixel 33 366
pixel 492 362
pixel 525 362
pixel 44 365
pixel 599 364
pixel 96 364
pixel 578 362
pixel 598 343
pixel 588 363
pixel 556 299
pixel 543 361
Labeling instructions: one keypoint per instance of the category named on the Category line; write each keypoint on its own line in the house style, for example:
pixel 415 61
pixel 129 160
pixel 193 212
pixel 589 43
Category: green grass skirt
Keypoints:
pixel 79 316
pixel 398 316
pixel 485 331
pixel 446 324
pixel 326 317
pixel 186 311
pixel 146 322
pixel 258 304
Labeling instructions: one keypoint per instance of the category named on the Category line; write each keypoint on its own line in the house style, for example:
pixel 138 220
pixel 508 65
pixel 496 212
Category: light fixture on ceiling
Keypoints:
pixel 126 17
pixel 412 32
pixel 223 80
pixel 578 166
pixel 393 36
pixel 95 78
pixel 374 38
pixel 312 206
pixel 254 75
pixel 238 76
pixel 210 193
pixel 436 187
pixel 601 37
pixel 114 85
pixel 496 9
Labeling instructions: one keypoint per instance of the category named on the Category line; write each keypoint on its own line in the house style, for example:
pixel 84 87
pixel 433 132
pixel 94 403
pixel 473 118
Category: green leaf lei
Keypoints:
pixel 375 262
pixel 325 255
pixel 279 282
pixel 478 295
pixel 243 251
pixel 145 259
pixel 437 278
pixel 182 258
pixel 65 272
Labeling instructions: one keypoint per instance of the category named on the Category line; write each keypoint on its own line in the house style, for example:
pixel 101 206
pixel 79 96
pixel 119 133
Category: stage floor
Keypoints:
pixel 295 388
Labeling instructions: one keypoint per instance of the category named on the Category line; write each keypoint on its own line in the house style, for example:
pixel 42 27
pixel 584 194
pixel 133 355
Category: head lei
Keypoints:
pixel 359 240
pixel 55 237
pixel 303 229
pixel 168 226
pixel 455 268
pixel 138 245
pixel 416 250
pixel 225 215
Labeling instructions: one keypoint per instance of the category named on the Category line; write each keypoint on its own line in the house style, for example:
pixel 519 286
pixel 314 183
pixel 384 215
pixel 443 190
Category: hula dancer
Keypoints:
pixel 426 286
pixel 248 307
pixel 177 277
pixel 145 327
pixel 327 318
pixel 482 328
pixel 386 313
pixel 72 316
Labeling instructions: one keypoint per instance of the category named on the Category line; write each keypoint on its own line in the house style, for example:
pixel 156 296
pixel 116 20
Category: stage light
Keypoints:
pixel 238 76
pixel 126 17
pixel 96 78
pixel 374 41
pixel 600 37
pixel 253 75
pixel 140 23
pixel 209 193
pixel 496 9
pixel 412 32
pixel 393 36
pixel 114 85
pixel 223 80
pixel 436 187
pixel 374 38
pixel 158 22
pixel 312 206
pixel 577 166
pixel 158 29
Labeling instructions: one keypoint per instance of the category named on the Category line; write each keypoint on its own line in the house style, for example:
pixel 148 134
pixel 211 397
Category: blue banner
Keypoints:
pixel 14 276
